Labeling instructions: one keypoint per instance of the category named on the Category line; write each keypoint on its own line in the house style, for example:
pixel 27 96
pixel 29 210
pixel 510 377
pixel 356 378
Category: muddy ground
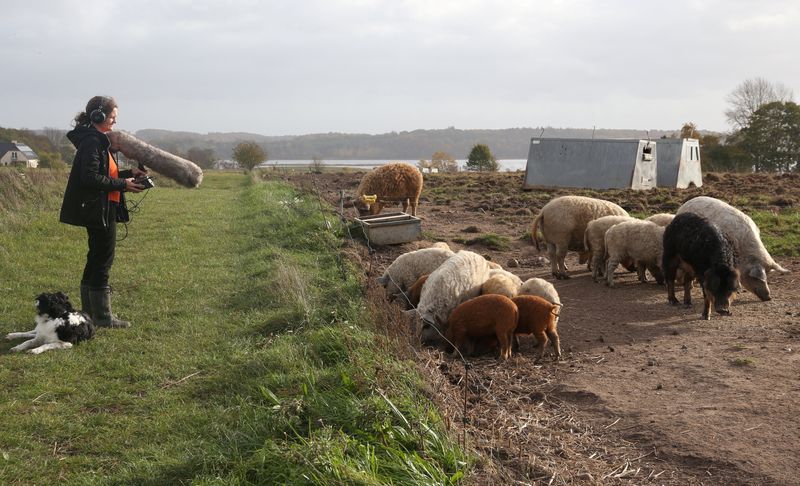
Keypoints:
pixel 646 393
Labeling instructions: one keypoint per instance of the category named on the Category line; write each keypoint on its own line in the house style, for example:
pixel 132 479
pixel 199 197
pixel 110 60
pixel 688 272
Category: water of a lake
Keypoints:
pixel 505 165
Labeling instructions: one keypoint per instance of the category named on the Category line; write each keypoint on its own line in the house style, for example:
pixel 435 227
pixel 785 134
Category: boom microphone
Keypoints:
pixel 182 171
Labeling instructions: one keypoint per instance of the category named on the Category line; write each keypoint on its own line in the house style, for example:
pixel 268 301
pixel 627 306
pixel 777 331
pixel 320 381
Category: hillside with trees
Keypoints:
pixel 764 137
pixel 509 143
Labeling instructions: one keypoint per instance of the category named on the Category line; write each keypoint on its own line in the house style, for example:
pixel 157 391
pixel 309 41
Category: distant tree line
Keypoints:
pixel 510 143
pixel 765 136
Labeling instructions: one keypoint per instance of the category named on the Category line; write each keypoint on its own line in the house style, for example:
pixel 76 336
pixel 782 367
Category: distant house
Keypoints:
pixel 591 163
pixel 13 153
pixel 678 161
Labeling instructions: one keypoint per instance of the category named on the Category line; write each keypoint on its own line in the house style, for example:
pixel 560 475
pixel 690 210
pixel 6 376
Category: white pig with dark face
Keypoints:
pixel 754 260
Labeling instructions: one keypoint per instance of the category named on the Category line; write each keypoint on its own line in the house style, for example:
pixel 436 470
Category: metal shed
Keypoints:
pixel 678 162
pixel 591 163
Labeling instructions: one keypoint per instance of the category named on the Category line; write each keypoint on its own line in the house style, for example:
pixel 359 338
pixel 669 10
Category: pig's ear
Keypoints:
pixel 758 273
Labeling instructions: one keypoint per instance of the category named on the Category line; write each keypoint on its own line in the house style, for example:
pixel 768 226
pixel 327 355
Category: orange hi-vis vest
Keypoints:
pixel 113 172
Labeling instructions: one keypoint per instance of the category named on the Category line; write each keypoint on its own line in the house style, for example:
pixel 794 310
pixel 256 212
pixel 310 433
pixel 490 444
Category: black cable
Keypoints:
pixel 135 204
pixel 133 210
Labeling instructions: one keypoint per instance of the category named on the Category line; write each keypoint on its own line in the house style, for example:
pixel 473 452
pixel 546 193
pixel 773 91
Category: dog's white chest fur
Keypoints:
pixel 46 328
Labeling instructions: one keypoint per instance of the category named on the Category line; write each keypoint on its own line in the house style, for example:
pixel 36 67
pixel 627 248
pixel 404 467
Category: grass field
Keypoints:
pixel 779 232
pixel 251 359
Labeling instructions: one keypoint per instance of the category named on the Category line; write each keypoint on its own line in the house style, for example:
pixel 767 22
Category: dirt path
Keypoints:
pixel 647 393
pixel 719 396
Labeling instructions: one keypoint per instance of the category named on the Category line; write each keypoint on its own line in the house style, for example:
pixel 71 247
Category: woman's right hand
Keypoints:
pixel 132 186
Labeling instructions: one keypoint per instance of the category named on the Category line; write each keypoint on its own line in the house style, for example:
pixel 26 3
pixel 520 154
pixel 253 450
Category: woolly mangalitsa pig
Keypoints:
pixel 538 317
pixel 500 271
pixel 540 287
pixel 594 242
pixel 754 261
pixel 501 282
pixel 636 240
pixel 390 183
pixel 661 219
pixel 501 285
pixel 458 279
pixel 401 274
pixel 490 315
pixel 563 221
pixel 698 247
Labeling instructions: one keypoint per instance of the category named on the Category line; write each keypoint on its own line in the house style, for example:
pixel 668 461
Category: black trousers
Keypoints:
pixel 102 244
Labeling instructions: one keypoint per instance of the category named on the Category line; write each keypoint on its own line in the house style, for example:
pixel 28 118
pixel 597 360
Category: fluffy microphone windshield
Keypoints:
pixel 182 171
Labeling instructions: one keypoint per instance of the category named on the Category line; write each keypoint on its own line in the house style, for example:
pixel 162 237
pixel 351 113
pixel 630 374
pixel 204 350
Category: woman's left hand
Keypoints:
pixel 131 186
pixel 137 172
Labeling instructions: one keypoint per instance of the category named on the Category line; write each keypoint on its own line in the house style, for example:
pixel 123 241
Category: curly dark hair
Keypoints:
pixel 105 103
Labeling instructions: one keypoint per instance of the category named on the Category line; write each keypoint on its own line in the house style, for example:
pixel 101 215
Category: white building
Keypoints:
pixel 13 153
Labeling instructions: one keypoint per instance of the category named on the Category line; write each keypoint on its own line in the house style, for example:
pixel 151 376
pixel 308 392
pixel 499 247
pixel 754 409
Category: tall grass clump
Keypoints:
pixel 24 191
pixel 252 358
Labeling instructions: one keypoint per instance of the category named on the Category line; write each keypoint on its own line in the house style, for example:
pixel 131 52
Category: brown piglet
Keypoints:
pixel 538 317
pixel 480 317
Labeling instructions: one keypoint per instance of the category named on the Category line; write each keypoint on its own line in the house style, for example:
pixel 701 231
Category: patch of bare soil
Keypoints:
pixel 647 393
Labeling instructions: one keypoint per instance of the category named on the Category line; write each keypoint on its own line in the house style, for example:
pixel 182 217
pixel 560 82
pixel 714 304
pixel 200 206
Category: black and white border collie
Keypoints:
pixel 58 325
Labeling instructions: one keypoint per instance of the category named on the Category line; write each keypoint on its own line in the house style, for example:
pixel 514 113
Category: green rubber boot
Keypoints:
pixel 101 309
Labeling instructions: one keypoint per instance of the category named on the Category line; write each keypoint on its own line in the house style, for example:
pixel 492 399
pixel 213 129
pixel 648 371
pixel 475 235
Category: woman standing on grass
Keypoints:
pixel 94 199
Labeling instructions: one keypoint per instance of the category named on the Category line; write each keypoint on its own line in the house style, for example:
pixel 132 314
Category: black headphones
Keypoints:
pixel 97 115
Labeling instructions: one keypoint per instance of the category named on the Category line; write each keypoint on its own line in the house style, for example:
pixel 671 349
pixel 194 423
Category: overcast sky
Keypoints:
pixel 373 66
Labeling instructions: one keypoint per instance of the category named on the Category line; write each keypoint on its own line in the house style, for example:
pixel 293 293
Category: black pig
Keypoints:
pixel 698 247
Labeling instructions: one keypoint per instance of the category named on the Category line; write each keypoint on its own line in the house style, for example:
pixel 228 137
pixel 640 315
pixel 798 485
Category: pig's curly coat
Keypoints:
pixel 390 183
pixel 563 221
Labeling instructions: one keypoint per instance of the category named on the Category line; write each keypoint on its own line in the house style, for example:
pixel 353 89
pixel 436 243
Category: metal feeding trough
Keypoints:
pixel 390 228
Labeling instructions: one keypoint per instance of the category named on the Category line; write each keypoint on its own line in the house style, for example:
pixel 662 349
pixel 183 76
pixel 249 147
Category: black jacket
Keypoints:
pixel 86 197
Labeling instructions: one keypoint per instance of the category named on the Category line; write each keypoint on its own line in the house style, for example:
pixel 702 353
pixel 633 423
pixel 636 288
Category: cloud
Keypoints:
pixel 283 67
